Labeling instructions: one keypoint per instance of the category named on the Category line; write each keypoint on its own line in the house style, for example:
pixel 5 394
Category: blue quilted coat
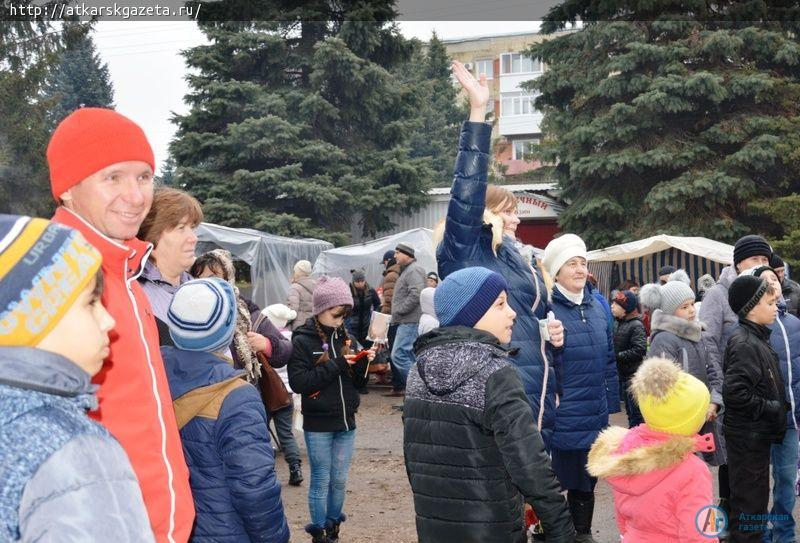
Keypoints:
pixel 237 496
pixel 587 372
pixel 468 242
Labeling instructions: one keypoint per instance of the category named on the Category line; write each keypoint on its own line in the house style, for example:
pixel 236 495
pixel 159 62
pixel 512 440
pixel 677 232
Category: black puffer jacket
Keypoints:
pixel 329 396
pixel 753 391
pixel 630 346
pixel 472 450
pixel 365 301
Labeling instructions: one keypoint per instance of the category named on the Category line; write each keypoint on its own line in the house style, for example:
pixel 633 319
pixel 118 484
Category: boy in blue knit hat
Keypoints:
pixel 63 477
pixel 221 419
pixel 472 450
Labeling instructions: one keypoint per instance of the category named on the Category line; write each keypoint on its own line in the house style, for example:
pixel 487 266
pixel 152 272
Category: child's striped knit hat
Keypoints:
pixel 44 267
pixel 466 295
pixel 202 315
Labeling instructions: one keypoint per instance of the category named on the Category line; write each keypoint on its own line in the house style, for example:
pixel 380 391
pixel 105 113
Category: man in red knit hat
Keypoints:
pixel 101 174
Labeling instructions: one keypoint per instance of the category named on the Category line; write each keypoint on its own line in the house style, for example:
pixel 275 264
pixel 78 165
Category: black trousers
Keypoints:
pixel 748 473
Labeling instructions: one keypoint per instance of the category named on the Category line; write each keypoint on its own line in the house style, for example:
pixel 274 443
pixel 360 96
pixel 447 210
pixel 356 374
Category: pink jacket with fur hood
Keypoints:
pixel 659 484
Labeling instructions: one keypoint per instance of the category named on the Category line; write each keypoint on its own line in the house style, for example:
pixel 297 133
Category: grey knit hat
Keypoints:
pixel 668 297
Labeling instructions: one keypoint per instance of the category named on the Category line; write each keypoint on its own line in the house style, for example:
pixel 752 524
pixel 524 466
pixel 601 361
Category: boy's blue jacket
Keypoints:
pixel 469 241
pixel 236 494
pixel 785 339
pixel 62 476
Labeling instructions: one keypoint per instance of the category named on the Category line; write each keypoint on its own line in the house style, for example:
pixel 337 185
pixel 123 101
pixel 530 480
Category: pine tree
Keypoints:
pixel 440 112
pixel 28 51
pixel 298 124
pixel 668 117
pixel 168 177
pixel 80 80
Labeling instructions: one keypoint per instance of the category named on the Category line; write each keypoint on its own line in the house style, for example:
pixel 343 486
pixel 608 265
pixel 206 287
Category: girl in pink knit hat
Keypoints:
pixel 327 375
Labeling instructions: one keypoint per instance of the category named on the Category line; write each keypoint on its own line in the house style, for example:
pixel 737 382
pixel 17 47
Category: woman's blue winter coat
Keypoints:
pixel 468 242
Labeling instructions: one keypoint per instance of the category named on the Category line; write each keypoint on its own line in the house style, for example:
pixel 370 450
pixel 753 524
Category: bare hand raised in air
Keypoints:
pixel 477 91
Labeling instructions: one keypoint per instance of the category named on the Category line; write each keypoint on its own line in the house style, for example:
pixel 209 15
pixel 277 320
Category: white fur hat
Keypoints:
pixel 560 250
pixel 303 266
pixel 279 314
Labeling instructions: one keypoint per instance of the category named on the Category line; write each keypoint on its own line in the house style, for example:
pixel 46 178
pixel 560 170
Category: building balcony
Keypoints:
pixel 516 125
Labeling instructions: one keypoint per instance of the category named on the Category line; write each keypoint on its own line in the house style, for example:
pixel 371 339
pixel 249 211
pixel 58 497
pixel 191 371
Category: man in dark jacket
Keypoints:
pixel 472 449
pixel 406 313
pixel 630 347
pixel 755 405
pixel 790 289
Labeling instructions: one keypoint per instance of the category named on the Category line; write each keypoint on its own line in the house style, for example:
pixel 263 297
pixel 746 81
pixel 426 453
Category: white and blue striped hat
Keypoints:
pixel 202 315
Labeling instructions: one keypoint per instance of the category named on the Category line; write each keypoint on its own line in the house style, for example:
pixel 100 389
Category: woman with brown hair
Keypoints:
pixel 169 226
pixel 480 231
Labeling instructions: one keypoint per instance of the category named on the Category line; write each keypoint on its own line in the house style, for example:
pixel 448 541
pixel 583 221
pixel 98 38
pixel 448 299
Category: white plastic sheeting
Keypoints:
pixel 640 260
pixel 338 262
pixel 271 258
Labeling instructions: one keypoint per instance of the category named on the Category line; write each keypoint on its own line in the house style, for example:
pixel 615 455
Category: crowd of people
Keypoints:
pixel 138 384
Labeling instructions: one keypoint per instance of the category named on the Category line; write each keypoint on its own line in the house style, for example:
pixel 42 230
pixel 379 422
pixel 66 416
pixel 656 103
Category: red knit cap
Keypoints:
pixel 90 139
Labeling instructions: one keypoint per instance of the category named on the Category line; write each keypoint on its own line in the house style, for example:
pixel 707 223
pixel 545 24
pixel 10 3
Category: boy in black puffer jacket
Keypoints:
pixel 755 403
pixel 472 450
pixel 630 347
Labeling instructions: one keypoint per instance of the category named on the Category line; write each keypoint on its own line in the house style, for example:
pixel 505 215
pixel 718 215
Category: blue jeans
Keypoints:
pixel 403 353
pixel 784 471
pixel 282 419
pixel 329 455
pixel 631 407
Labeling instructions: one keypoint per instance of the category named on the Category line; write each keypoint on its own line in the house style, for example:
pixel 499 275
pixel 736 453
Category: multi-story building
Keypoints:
pixel 516 125
pixel 516 121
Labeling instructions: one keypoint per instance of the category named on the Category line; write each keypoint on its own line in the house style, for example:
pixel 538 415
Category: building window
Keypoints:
pixel 517 63
pixel 517 103
pixel 484 66
pixel 523 149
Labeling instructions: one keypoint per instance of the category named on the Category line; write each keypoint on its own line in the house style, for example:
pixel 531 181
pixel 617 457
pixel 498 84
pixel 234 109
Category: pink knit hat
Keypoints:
pixel 331 292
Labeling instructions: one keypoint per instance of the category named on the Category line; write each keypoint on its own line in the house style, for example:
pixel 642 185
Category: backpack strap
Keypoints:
pixel 205 401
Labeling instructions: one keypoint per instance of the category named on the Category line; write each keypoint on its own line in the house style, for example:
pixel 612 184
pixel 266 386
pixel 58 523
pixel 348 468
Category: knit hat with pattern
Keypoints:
pixel 44 267
pixel 202 315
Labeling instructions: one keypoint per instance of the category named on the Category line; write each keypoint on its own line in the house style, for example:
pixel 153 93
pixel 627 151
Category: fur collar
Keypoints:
pixel 691 330
pixel 489 218
pixel 605 461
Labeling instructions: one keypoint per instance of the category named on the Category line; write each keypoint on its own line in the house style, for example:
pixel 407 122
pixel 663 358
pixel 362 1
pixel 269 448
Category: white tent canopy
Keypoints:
pixel 271 258
pixel 338 262
pixel 640 260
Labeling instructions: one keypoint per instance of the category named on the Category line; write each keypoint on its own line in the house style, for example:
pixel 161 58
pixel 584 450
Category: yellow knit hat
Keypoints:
pixel 671 400
pixel 44 266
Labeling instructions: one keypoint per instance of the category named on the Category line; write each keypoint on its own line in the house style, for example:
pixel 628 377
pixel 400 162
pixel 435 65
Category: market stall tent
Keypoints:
pixel 640 260
pixel 271 258
pixel 338 262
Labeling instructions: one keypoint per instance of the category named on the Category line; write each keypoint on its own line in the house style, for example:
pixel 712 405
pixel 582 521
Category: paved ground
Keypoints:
pixel 379 504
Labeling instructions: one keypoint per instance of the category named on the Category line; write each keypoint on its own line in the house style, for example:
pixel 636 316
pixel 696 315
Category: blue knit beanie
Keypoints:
pixel 466 295
pixel 202 315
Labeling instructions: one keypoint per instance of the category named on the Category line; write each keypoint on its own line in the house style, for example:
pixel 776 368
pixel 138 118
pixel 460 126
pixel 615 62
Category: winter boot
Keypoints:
pixel 332 529
pixel 581 507
pixel 295 474
pixel 725 506
pixel 317 534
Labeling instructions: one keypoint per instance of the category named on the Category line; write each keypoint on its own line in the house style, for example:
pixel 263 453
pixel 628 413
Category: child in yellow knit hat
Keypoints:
pixel 64 476
pixel 662 490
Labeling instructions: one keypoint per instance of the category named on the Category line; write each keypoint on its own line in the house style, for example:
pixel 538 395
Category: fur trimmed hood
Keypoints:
pixel 489 218
pixel 691 330
pixel 634 461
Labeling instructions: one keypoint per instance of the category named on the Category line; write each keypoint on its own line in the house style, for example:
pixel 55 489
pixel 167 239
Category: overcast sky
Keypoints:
pixel 148 71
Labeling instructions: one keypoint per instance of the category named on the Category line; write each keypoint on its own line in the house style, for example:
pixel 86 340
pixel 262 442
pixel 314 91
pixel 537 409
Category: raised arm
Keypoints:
pixel 468 193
